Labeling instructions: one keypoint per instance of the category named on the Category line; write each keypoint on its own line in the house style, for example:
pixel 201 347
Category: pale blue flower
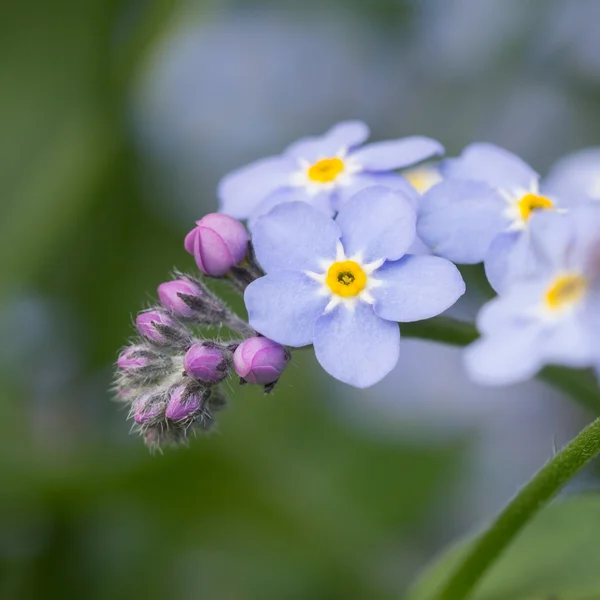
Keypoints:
pixel 482 208
pixel 323 171
pixel 343 284
pixel 576 177
pixel 552 316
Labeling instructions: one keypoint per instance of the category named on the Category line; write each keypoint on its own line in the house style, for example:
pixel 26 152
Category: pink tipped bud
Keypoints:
pixel 182 405
pixel 260 360
pixel 218 242
pixel 145 324
pixel 168 294
pixel 206 363
pixel 147 408
pixel 131 359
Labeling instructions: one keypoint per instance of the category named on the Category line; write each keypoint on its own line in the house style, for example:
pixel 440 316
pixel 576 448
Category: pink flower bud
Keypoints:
pixel 206 363
pixel 147 408
pixel 260 360
pixel 145 324
pixel 130 359
pixel 182 405
pixel 168 294
pixel 218 242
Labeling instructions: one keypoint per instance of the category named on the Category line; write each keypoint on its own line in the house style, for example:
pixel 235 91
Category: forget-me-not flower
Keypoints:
pixel 575 178
pixel 323 171
pixel 553 315
pixel 482 208
pixel 343 284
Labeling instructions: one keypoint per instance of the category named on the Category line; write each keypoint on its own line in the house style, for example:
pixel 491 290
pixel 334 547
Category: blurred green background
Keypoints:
pixel 117 119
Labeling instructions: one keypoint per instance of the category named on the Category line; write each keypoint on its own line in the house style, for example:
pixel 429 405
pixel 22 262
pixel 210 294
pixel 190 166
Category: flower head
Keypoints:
pixel 152 324
pixel 324 171
pixel 260 361
pixel 487 192
pixel 217 243
pixel 551 316
pixel 343 284
pixel 183 403
pixel 172 293
pixel 207 362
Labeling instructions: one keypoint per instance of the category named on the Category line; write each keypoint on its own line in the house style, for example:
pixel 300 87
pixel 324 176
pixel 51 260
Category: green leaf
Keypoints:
pixel 555 558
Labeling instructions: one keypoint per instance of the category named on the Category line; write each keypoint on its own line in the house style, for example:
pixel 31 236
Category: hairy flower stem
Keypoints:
pixel 238 325
pixel 524 506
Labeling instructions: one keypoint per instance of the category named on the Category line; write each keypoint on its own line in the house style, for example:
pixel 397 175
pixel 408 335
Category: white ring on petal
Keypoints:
pixel 364 295
pixel 301 179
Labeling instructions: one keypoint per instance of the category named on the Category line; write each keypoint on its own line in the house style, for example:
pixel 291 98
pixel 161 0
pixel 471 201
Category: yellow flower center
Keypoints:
pixel 422 178
pixel 346 278
pixel 532 202
pixel 326 170
pixel 566 290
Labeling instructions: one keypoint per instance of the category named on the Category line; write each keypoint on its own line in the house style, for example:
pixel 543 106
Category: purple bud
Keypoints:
pixel 218 243
pixel 145 325
pixel 182 405
pixel 168 294
pixel 124 393
pixel 147 408
pixel 260 360
pixel 206 363
pixel 128 359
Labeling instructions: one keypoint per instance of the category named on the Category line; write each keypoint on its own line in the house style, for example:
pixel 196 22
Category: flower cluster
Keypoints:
pixel 170 375
pixel 341 247
pixel 540 244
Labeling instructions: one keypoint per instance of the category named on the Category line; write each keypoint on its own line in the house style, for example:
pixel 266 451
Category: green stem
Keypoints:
pixel 526 504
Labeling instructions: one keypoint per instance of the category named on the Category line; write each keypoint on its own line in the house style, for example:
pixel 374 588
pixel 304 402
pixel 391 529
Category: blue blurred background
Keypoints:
pixel 117 119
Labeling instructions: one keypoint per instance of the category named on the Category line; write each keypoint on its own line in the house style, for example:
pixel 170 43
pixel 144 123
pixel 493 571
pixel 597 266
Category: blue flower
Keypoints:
pixel 481 210
pixel 324 171
pixel 552 316
pixel 343 284
pixel 576 177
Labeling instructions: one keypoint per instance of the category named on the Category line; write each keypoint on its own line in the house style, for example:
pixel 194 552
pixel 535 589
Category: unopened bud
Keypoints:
pixel 183 404
pixel 146 324
pixel 132 358
pixel 206 362
pixel 260 360
pixel 169 294
pixel 147 408
pixel 217 243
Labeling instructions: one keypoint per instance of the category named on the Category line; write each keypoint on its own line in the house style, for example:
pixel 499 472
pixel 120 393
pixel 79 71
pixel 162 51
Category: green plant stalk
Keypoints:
pixel 525 505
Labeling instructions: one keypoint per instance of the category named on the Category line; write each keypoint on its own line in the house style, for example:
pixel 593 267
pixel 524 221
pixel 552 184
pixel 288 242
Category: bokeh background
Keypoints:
pixel 117 119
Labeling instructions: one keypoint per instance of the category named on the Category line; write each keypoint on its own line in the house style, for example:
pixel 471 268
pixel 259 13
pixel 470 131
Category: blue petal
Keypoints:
pixel 507 358
pixel 419 247
pixel 360 181
pixel 493 165
pixel 284 307
pixel 586 227
pixel 320 202
pixel 243 190
pixel 459 219
pixel 397 154
pixel 515 309
pixel 575 178
pixel 295 236
pixel 416 288
pixel 509 258
pixel 377 223
pixel 342 136
pixel 356 346
pixel 552 239
pixel 570 343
